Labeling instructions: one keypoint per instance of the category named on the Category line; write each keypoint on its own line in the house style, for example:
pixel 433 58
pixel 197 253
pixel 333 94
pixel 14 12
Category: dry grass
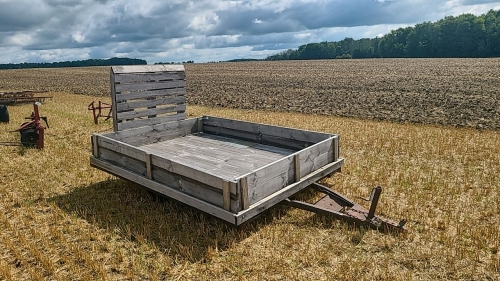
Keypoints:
pixel 60 219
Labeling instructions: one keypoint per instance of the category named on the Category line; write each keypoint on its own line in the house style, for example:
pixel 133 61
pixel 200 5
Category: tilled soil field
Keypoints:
pixel 453 92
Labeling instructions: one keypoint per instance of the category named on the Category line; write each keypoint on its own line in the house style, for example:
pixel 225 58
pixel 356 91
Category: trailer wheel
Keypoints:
pixel 4 114
pixel 29 137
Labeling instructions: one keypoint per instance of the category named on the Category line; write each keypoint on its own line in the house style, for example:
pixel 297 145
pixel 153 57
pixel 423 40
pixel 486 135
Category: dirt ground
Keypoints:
pixel 452 92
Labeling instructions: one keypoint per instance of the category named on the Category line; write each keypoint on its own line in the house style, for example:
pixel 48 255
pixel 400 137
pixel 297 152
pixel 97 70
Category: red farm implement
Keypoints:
pixel 32 132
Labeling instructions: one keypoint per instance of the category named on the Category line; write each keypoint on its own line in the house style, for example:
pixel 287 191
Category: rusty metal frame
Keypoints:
pixel 97 111
pixel 342 208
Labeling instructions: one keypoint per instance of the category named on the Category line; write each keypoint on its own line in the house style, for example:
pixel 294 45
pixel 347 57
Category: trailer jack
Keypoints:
pixel 342 208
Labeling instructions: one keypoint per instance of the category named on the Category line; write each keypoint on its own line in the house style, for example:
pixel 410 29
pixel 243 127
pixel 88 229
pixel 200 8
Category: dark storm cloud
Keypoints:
pixel 148 28
pixel 20 15
pixel 477 2
pixel 321 14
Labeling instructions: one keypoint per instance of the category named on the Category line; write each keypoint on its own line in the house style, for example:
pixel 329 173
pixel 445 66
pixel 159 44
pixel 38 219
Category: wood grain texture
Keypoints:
pixel 196 189
pixel 147 95
pixel 275 198
pixel 159 100
pixel 150 121
pixel 263 129
pixel 152 111
pixel 226 194
pixel 149 76
pixel 147 68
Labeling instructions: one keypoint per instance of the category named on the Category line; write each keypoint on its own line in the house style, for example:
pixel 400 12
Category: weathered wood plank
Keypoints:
pixel 265 139
pixel 152 130
pixel 226 194
pixel 196 189
pixel 146 82
pixel 138 113
pixel 164 189
pixel 156 101
pixel 244 193
pixel 336 145
pixel 204 164
pixel 216 154
pixel 308 161
pixel 147 68
pixel 114 111
pixel 151 76
pixel 296 168
pixel 286 192
pixel 146 139
pixel 190 171
pixel 281 173
pixel 150 121
pixel 284 179
pixel 148 86
pixel 95 146
pixel 121 147
pixel 275 131
pixel 150 94
pixel 149 166
pixel 122 160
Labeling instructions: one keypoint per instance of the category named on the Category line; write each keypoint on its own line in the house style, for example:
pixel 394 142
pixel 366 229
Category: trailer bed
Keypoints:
pixel 228 168
pixel 221 156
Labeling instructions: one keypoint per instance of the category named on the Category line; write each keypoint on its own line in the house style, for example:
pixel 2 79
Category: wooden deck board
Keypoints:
pixel 225 157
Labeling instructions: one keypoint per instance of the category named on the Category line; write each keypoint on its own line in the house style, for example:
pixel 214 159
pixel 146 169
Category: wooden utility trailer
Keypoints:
pixel 231 169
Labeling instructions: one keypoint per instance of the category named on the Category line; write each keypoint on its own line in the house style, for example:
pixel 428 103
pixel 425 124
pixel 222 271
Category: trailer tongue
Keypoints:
pixel 342 208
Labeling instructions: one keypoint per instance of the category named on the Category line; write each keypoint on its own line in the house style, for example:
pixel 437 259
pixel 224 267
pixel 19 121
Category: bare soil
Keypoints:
pixel 452 92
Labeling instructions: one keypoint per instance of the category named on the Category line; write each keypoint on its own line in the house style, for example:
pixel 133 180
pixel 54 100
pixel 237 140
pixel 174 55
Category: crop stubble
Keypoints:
pixel 61 219
pixel 453 92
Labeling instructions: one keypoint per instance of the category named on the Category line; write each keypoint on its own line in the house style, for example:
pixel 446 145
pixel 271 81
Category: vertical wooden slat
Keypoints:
pixel 226 193
pixel 336 148
pixel 95 146
pixel 113 100
pixel 200 125
pixel 296 160
pixel 244 193
pixel 149 166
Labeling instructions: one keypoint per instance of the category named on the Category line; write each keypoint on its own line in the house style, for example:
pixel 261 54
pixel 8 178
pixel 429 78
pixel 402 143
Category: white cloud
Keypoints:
pixel 78 37
pixel 20 39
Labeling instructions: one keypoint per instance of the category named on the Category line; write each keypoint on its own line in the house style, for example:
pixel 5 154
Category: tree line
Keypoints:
pixel 79 63
pixel 463 36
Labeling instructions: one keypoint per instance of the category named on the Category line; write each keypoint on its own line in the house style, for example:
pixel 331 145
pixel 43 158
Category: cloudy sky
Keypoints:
pixel 202 30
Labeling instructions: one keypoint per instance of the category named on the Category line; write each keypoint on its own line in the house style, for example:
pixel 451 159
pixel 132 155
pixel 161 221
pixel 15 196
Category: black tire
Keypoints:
pixel 29 137
pixel 4 114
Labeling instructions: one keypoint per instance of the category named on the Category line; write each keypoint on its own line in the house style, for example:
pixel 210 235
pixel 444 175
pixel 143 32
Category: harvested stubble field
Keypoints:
pixel 60 219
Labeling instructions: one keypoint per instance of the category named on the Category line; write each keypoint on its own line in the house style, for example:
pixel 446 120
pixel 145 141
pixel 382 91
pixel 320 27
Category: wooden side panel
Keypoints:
pixel 263 130
pixel 156 133
pixel 147 95
pixel 193 173
pixel 206 187
pixel 272 178
pixel 264 139
pixel 125 151
pixel 164 189
pixel 286 192
pixel 197 189
pixel 130 124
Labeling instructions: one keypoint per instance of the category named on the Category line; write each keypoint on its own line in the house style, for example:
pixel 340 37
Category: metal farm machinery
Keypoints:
pixel 32 132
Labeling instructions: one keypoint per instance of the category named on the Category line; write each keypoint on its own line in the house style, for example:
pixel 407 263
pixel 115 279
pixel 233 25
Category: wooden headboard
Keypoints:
pixel 145 95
